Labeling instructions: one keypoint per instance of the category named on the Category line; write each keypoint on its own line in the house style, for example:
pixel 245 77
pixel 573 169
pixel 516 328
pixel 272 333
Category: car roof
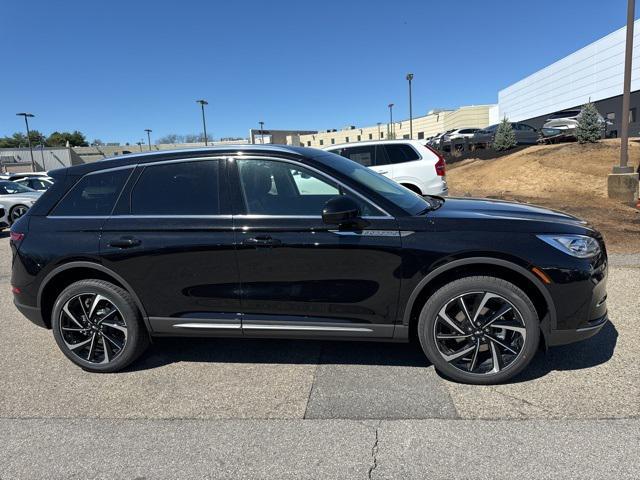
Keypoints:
pixel 374 142
pixel 150 157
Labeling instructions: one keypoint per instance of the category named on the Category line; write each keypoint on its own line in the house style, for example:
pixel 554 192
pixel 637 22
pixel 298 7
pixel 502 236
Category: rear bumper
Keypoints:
pixel 32 313
pixel 588 330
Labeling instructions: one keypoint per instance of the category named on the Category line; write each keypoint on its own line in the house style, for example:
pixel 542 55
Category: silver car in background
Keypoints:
pixel 567 122
pixel 16 199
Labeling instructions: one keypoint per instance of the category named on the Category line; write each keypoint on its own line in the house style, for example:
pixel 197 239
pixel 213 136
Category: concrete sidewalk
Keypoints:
pixel 322 449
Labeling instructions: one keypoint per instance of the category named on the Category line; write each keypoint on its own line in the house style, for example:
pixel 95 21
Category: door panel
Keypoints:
pixel 306 273
pixel 302 277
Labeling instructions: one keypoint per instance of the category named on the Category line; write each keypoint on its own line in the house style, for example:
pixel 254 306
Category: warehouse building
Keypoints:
pixel 436 121
pixel 594 73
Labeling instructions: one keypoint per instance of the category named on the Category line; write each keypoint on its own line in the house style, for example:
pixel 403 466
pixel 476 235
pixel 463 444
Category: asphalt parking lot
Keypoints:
pixel 235 408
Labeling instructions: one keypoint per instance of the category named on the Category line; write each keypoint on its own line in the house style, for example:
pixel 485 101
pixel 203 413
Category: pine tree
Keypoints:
pixel 589 129
pixel 505 136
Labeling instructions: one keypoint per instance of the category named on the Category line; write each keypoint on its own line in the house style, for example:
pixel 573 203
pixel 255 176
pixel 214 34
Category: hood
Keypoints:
pixel 504 215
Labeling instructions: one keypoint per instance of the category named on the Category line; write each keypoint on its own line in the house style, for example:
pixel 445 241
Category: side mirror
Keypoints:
pixel 340 209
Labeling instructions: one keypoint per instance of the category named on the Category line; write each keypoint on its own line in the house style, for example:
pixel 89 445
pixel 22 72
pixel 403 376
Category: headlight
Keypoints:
pixel 579 246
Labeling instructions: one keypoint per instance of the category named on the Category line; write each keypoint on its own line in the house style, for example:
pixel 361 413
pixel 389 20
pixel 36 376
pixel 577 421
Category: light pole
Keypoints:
pixel 624 126
pixel 392 131
pixel 26 122
pixel 622 182
pixel 409 78
pixel 148 130
pixel 261 130
pixel 204 123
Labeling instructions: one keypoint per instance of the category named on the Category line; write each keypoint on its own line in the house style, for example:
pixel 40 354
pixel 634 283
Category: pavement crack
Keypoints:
pixel 374 452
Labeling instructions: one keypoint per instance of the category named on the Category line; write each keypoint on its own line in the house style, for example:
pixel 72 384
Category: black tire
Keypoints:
pixel 127 317
pixel 524 316
pixel 11 213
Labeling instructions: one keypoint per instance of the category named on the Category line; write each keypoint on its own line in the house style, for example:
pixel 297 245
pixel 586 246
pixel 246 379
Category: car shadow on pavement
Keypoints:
pixel 576 356
pixel 165 351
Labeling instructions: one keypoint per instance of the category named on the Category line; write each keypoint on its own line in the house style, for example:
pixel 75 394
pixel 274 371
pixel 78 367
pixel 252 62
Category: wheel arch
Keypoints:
pixel 64 275
pixel 411 186
pixel 504 269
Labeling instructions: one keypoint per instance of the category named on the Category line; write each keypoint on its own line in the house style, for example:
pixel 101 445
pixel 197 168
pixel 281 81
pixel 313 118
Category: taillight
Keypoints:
pixel 441 166
pixel 16 237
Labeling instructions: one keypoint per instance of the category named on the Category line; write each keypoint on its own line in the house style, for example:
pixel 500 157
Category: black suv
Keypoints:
pixel 259 241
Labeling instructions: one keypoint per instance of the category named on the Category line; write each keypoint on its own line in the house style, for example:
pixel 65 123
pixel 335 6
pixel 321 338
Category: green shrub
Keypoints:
pixel 589 129
pixel 505 136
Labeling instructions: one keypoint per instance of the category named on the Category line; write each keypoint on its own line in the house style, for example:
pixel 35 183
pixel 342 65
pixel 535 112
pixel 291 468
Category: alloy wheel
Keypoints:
pixel 93 328
pixel 480 333
pixel 18 212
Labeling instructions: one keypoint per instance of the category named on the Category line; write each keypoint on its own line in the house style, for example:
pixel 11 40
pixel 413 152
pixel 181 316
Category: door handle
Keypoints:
pixel 383 172
pixel 261 241
pixel 125 242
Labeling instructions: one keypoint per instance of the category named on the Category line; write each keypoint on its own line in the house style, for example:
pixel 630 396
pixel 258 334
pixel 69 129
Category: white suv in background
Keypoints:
pixel 408 162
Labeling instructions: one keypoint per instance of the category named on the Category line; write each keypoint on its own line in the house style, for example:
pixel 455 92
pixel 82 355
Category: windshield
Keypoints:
pixel 395 193
pixel 9 188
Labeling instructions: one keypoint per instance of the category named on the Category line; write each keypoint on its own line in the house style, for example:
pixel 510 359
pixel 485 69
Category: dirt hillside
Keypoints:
pixel 568 177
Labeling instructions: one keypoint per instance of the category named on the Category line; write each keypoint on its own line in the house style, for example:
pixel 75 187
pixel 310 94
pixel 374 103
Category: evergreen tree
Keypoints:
pixel 589 128
pixel 505 136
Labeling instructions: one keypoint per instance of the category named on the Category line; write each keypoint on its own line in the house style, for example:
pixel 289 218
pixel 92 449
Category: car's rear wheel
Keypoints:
pixel 479 330
pixel 97 326
pixel 16 212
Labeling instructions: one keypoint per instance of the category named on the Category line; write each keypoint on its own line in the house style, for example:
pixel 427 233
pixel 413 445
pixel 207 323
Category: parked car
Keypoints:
pixel 222 242
pixel 458 135
pixel 413 165
pixel 525 135
pixel 17 199
pixel 39 184
pixel 436 141
pixel 567 121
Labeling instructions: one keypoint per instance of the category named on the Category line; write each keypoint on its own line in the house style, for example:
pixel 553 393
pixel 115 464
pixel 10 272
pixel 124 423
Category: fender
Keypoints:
pixel 100 268
pixel 479 261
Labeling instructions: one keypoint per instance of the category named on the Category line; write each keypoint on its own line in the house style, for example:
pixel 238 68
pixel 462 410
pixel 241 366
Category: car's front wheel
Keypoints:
pixel 97 326
pixel 479 330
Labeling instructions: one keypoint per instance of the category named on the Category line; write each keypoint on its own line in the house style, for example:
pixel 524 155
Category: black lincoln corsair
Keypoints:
pixel 266 241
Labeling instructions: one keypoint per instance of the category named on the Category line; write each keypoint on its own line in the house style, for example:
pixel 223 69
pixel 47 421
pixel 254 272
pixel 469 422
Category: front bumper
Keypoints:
pixel 563 337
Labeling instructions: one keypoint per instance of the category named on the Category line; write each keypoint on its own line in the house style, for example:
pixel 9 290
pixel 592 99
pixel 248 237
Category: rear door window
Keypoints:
pixel 401 153
pixel 94 195
pixel 177 189
pixel 363 155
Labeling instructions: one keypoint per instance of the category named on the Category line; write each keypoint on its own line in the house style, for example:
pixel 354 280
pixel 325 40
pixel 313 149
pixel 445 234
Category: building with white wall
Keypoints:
pixel 594 72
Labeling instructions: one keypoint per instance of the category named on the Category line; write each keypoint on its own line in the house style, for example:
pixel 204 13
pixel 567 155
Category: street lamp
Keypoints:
pixel 622 182
pixel 148 130
pixel 392 131
pixel 204 123
pixel 261 132
pixel 624 126
pixel 409 78
pixel 26 122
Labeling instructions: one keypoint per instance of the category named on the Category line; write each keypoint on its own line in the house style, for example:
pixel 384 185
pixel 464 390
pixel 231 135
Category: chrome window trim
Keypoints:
pixel 322 174
pixel 106 170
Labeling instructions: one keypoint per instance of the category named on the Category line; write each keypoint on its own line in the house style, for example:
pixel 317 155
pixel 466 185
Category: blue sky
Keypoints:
pixel 113 68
